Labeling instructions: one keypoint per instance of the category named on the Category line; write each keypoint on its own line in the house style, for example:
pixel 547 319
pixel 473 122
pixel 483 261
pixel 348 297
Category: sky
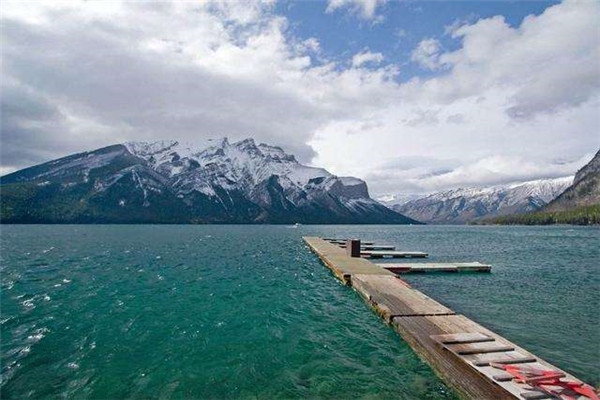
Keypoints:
pixel 411 96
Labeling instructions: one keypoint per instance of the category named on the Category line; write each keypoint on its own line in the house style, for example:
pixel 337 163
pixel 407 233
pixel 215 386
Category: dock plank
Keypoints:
pixel 481 348
pixel 392 297
pixel 456 338
pixel 340 264
pixel 506 359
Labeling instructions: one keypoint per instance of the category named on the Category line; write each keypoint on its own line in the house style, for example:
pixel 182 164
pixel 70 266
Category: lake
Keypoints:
pixel 181 311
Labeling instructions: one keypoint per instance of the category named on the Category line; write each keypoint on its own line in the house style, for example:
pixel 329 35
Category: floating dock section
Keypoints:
pixel 436 267
pixel 343 242
pixel 372 247
pixel 393 254
pixel 463 353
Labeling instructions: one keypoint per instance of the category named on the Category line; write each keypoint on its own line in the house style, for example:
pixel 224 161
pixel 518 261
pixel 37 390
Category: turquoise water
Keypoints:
pixel 250 312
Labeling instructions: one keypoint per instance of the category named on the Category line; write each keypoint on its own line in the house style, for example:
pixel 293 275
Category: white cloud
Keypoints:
pixel 509 103
pixel 452 152
pixel 427 54
pixel 311 44
pixel 549 61
pixel 364 8
pixel 366 57
pixel 455 119
pixel 240 12
pixel 502 169
pixel 459 22
pixel 530 92
pixel 182 70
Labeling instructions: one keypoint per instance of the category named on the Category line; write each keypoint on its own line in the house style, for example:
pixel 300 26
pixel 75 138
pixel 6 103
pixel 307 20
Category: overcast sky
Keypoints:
pixel 410 96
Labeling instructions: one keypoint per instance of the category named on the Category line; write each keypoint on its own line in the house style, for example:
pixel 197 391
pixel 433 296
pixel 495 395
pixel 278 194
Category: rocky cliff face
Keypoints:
pixel 171 182
pixel 585 190
pixel 464 205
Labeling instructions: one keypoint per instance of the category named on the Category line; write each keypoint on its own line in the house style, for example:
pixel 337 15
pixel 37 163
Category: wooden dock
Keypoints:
pixel 458 349
pixel 435 267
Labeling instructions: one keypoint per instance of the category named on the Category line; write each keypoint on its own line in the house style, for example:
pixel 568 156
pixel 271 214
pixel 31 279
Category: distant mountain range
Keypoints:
pixel 170 182
pixel 459 206
pixel 578 204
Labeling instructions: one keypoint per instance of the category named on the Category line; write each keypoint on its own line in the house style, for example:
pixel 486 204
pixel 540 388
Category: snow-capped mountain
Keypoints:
pixel 459 206
pixel 169 181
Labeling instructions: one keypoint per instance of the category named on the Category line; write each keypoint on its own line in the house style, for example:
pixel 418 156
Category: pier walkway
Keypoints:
pixel 458 349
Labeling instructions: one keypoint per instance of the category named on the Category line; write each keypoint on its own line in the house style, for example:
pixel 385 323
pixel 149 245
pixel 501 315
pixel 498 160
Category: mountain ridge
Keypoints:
pixel 463 205
pixel 578 204
pixel 173 182
pixel 583 192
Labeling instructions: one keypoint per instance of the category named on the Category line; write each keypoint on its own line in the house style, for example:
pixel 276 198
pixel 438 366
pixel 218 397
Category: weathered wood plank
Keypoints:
pixel 505 360
pixel 340 264
pixel 503 377
pixel 481 348
pixel 456 338
pixel 535 395
pixel 392 297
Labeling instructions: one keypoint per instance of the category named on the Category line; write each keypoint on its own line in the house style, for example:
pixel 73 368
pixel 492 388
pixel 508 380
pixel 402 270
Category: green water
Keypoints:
pixel 249 312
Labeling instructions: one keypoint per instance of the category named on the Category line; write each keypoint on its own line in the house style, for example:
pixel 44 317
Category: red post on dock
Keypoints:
pixel 353 247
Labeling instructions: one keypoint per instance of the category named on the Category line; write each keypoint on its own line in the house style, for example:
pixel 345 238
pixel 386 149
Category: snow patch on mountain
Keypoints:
pixel 240 160
pixel 399 198
pixel 247 167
